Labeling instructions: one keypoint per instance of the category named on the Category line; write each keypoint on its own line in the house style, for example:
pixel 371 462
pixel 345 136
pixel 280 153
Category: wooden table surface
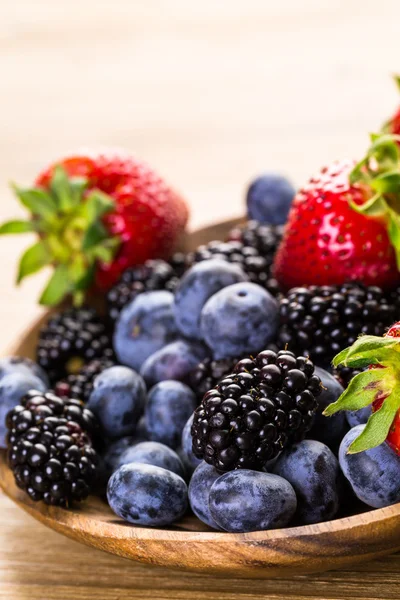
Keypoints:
pixel 210 93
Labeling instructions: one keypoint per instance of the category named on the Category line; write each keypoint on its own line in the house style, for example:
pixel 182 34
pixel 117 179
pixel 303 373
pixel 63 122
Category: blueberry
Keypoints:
pixel 174 361
pixel 198 285
pixel 328 430
pixel 373 474
pixel 13 386
pixel 144 326
pixel 358 417
pixel 20 364
pixel 244 500
pixel 118 399
pixel 269 199
pixel 168 407
pixel 313 471
pixel 147 495
pixel 153 453
pixel 239 320
pixel 189 459
pixel 199 491
pixel 113 452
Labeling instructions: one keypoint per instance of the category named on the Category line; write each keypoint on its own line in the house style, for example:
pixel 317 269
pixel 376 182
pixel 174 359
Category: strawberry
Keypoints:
pixel 379 386
pixel 344 224
pixel 96 215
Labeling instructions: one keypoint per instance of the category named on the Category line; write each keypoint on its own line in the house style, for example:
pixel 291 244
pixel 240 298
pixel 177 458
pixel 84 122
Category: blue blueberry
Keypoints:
pixel 153 453
pixel 118 399
pixel 12 364
pixel 13 386
pixel 358 417
pixel 117 447
pixel 144 326
pixel 147 495
pixel 198 284
pixel 199 491
pixel 244 500
pixel 313 471
pixel 174 361
pixel 189 459
pixel 239 320
pixel 373 474
pixel 269 199
pixel 168 407
pixel 328 430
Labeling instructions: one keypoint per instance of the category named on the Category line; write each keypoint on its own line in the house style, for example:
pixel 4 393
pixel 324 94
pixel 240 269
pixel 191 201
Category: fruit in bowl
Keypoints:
pixel 203 385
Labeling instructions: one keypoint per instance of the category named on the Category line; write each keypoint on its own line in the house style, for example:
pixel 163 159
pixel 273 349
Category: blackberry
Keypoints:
pixel 209 373
pixel 50 450
pixel 152 275
pixel 321 321
pixel 80 385
pixel 263 237
pixel 266 404
pixel 257 267
pixel 71 339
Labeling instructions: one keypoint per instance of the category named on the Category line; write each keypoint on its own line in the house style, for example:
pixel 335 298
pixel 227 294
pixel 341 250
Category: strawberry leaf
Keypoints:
pixel 367 350
pixel 378 426
pixel 362 391
pixel 58 287
pixel 97 205
pixel 38 201
pixel 95 234
pixel 36 257
pixel 60 187
pixel 16 226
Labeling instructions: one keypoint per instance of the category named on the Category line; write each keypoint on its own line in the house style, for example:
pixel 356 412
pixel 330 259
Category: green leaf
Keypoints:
pixel 95 234
pixel 387 182
pixel 58 287
pixel 61 189
pixel 78 187
pixel 374 207
pixel 363 389
pixel 367 350
pixel 38 201
pixel 378 426
pixel 36 257
pixel 394 233
pixel 17 227
pixel 397 80
pixel 97 205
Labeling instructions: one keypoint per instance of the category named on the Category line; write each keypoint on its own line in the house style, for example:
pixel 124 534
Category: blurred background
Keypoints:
pixel 209 93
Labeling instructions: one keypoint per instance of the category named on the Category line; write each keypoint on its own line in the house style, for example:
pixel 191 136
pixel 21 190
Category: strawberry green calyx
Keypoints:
pixel 379 174
pixel 379 385
pixel 71 237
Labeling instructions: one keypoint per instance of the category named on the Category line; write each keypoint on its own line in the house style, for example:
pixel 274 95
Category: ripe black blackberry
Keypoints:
pixel 71 339
pixel 257 267
pixel 80 385
pixel 152 275
pixel 209 373
pixel 321 321
pixel 251 415
pixel 50 450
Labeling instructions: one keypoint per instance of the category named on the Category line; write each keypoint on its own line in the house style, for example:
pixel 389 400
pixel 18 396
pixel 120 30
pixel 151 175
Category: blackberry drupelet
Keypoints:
pixel 266 403
pixel 71 339
pixel 321 321
pixel 152 275
pixel 50 450
pixel 80 385
pixel 257 267
pixel 209 373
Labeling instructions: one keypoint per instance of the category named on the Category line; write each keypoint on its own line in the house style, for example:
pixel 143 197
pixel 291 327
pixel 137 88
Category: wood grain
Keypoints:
pixel 210 93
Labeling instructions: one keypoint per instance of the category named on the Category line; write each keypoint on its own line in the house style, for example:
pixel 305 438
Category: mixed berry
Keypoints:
pixel 254 381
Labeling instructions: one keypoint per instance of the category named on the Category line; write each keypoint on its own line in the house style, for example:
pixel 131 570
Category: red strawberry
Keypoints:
pixel 342 227
pixel 95 215
pixel 379 386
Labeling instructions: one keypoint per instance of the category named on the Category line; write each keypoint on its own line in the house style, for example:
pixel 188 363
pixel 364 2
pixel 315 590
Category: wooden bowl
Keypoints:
pixel 192 546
